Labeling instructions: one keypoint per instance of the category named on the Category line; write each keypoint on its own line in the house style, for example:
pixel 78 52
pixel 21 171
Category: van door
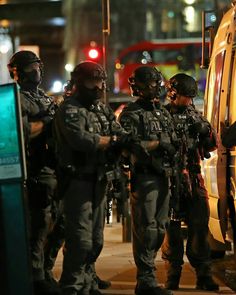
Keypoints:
pixel 218 104
pixel 231 154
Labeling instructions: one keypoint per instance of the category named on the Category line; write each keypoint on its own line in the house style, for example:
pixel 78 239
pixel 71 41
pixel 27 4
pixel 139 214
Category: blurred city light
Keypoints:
pixel 189 2
pixel 93 53
pixel 69 67
pixel 5 44
pixel 57 86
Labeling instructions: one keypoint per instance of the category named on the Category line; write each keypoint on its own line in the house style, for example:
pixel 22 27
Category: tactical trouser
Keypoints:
pixel 197 247
pixel 149 205
pixel 84 204
pixel 40 192
pixel 55 239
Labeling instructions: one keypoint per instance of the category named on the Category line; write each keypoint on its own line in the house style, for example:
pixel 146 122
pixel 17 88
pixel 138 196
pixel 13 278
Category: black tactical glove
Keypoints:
pixel 201 128
pixel 46 119
pixel 124 141
pixel 168 148
pixel 47 124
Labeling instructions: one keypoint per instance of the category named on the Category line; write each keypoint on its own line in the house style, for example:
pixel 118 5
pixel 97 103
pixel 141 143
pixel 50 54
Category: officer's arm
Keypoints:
pixel 209 139
pixel 130 122
pixel 73 125
pixel 36 128
pixel 150 145
pixel 104 142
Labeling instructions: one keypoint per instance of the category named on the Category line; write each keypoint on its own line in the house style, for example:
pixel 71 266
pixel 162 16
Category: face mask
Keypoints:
pixel 181 108
pixel 90 96
pixel 30 80
pixel 33 76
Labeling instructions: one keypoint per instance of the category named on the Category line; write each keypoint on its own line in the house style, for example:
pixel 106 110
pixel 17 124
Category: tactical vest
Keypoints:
pixel 189 142
pixel 155 124
pixel 39 150
pixel 102 123
pixel 39 104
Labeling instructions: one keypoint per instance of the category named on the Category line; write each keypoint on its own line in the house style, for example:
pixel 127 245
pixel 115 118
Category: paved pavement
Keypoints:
pixel 117 265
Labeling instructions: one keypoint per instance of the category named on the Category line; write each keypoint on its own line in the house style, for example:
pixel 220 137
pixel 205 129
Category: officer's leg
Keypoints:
pixel 55 241
pixel 148 226
pixel 40 223
pixel 78 235
pixel 197 248
pixel 41 191
pixel 99 204
pixel 172 253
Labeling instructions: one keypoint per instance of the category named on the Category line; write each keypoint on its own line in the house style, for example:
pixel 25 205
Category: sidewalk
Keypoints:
pixel 117 265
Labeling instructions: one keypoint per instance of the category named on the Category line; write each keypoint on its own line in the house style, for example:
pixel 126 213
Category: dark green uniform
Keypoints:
pixel 78 130
pixel 41 180
pixel 150 186
pixel 197 138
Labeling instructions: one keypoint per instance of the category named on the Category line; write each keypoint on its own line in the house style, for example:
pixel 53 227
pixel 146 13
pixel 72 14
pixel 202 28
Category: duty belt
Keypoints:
pixel 151 170
pixel 74 173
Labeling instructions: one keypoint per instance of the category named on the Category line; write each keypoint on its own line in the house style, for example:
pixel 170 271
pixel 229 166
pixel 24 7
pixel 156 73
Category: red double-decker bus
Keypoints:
pixel 170 56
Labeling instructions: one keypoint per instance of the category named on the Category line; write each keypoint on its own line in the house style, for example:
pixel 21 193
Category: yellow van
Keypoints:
pixel 220 109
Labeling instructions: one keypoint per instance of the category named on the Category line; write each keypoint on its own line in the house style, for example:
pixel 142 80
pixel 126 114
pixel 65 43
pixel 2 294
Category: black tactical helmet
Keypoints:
pixel 145 74
pixel 88 70
pixel 184 84
pixel 140 80
pixel 23 58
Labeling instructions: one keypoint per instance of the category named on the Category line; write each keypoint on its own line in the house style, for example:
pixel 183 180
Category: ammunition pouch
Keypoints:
pixel 162 167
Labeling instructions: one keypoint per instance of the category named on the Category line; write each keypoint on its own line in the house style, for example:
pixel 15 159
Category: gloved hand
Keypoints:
pixel 46 119
pixel 201 128
pixel 47 124
pixel 124 141
pixel 167 147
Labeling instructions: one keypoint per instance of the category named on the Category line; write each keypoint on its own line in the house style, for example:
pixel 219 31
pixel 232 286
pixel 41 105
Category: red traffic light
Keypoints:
pixel 93 53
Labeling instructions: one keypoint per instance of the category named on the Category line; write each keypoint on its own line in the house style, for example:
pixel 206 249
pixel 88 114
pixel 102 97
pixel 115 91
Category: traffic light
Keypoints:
pixel 93 52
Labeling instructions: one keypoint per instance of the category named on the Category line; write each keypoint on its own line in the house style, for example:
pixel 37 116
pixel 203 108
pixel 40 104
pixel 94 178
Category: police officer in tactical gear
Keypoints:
pixel 196 139
pixel 38 109
pixel 85 132
pixel 56 238
pixel 150 171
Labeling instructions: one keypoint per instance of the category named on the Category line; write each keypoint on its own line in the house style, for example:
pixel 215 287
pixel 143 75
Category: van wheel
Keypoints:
pixel 217 254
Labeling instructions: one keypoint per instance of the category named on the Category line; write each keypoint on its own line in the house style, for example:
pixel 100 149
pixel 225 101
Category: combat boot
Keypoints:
pixel 103 284
pixel 95 292
pixel 173 277
pixel 206 283
pixel 50 278
pixel 153 291
pixel 172 282
pixel 43 287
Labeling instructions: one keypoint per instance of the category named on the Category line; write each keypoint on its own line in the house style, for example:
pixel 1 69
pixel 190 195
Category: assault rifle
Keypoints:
pixel 180 184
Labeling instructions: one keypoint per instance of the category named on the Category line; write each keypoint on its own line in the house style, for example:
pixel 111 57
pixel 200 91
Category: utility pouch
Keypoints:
pixel 162 168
